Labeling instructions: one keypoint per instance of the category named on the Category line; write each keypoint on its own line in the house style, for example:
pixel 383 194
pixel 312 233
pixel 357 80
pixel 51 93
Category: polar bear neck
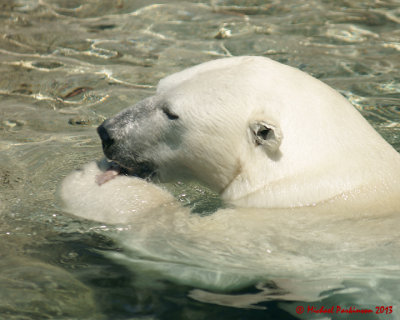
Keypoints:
pixel 366 177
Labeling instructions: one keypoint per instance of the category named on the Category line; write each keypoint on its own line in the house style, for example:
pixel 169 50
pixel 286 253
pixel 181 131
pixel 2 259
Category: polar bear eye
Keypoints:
pixel 170 114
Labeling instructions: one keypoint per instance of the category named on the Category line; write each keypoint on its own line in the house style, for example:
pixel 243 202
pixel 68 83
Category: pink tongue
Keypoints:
pixel 106 176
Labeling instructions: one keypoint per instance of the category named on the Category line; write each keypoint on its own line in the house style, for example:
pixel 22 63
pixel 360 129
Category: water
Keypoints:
pixel 67 65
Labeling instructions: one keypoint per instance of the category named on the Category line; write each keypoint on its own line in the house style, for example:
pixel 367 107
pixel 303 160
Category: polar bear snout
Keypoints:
pixel 121 145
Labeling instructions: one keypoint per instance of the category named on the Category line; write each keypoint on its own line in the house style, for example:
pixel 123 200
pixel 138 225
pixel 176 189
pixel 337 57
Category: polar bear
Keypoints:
pixel 293 160
pixel 259 133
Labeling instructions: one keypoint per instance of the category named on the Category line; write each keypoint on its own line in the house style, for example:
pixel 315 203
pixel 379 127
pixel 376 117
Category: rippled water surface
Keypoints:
pixel 65 66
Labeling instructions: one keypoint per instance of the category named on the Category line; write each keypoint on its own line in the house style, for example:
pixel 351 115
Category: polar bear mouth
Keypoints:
pixel 112 168
pixel 142 170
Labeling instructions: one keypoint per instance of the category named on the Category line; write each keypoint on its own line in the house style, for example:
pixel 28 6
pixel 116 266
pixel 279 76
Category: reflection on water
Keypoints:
pixel 67 65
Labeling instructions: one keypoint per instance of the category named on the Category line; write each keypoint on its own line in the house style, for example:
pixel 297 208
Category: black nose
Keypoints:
pixel 106 140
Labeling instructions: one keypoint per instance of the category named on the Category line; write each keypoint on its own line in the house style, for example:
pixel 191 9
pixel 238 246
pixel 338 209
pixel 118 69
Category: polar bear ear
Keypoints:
pixel 267 135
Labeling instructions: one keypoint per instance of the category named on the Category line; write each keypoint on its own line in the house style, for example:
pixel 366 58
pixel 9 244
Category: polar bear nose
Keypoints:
pixel 106 140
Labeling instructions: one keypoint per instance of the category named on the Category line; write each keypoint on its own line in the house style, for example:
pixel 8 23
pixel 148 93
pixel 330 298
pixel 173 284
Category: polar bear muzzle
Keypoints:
pixel 127 163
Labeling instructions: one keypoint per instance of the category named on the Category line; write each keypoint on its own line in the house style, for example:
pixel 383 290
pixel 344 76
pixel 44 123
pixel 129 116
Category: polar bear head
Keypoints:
pixel 256 131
